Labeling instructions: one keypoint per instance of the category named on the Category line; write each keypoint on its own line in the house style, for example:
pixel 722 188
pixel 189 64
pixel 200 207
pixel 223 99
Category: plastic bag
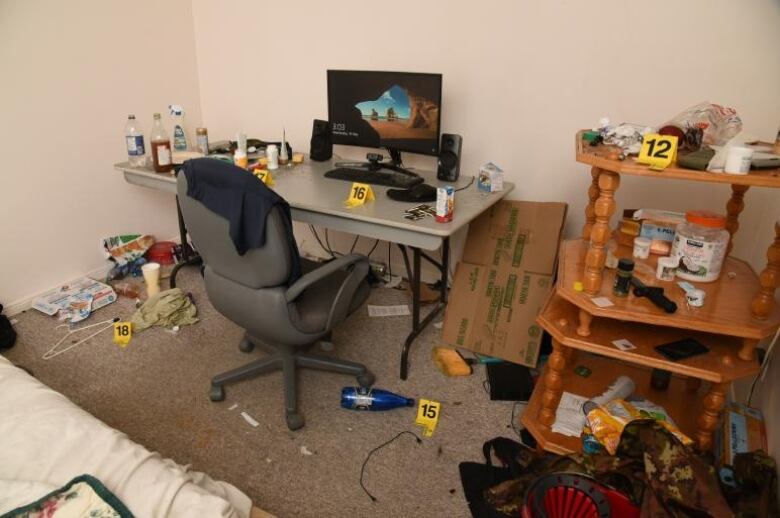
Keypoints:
pixel 718 123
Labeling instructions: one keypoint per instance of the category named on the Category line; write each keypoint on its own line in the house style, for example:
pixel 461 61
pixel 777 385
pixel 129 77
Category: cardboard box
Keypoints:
pixel 504 279
pixel 741 431
pixel 68 296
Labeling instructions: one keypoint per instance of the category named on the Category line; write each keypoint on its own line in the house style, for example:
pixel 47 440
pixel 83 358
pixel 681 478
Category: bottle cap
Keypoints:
pixel 578 286
pixel 156 115
pixel 705 218
pixel 627 265
pixel 131 116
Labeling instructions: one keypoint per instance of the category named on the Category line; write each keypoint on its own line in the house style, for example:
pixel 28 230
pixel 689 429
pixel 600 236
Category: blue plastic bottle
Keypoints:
pixel 358 398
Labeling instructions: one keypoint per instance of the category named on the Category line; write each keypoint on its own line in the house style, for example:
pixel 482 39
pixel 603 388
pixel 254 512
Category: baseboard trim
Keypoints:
pixel 25 303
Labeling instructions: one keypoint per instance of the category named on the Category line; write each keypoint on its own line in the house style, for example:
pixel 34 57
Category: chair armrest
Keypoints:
pixel 343 262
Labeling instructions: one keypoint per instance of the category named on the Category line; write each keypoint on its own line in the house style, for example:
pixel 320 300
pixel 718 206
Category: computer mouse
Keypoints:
pixel 419 193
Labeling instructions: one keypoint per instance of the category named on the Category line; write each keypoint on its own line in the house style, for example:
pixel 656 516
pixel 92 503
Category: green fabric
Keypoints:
pixel 168 308
pixel 81 487
pixel 696 160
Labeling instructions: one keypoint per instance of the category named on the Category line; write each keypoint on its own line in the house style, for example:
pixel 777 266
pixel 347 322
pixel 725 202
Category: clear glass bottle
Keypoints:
pixel 161 147
pixel 134 138
pixel 700 245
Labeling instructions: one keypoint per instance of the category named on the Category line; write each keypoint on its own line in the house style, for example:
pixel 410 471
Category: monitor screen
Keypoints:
pixel 399 110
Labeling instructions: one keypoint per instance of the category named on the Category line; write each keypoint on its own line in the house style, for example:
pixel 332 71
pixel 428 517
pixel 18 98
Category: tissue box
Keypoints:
pixel 491 178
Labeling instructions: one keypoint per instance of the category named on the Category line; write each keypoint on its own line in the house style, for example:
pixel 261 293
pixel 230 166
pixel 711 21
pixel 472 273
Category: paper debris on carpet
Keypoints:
pixel 392 282
pixel 388 311
pixel 235 405
pixel 438 325
pixel 569 418
pixel 306 451
pixel 249 419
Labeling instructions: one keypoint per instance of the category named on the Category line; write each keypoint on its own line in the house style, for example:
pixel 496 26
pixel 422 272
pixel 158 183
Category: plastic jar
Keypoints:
pixel 700 246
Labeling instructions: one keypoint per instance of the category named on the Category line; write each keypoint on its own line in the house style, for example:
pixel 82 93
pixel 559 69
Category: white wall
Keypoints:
pixel 71 72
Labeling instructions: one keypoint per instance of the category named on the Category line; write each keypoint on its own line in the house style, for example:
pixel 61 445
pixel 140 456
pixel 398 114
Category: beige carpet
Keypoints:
pixel 156 391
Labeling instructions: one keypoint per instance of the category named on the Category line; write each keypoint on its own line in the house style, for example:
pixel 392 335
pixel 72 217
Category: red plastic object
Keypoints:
pixel 161 252
pixel 573 495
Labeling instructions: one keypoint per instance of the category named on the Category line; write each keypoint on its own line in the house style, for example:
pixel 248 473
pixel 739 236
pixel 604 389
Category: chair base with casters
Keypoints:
pixel 287 359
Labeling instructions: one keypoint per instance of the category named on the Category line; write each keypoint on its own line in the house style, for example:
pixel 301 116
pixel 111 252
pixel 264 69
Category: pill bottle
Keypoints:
pixel 623 276
pixel 700 245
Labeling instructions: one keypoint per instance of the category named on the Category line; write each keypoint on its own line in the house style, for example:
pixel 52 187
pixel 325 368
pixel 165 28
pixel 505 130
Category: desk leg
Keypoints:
pixel 769 279
pixel 593 195
pixel 599 234
pixel 189 256
pixel 552 383
pixel 710 415
pixel 734 208
pixel 415 281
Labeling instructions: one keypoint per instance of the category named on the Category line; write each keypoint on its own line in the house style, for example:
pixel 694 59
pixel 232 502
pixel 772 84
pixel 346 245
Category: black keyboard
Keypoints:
pixel 381 177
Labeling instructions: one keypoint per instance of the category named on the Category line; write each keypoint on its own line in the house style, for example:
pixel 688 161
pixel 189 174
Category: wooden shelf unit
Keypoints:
pixel 739 311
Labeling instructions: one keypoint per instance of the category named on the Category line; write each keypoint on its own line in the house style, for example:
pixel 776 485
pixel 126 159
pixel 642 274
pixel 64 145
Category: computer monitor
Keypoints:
pixel 400 111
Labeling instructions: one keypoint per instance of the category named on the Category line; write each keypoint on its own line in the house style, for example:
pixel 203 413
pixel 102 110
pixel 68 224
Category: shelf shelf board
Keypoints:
pixel 721 364
pixel 682 403
pixel 726 307
pixel 596 156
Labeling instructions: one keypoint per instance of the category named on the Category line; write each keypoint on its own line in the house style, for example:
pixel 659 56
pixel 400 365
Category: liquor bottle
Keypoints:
pixel 358 398
pixel 161 147
pixel 134 138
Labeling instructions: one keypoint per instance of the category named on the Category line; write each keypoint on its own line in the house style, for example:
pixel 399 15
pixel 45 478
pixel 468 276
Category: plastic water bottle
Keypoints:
pixel 358 398
pixel 134 137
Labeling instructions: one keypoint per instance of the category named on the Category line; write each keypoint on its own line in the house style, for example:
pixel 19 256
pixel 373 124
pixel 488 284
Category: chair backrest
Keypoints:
pixel 263 267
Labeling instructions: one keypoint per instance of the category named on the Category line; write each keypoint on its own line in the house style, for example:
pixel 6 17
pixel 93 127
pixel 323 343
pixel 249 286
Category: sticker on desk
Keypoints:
pixel 623 344
pixel 123 332
pixel 265 176
pixel 602 302
pixel 401 310
pixel 359 193
pixel 658 151
pixel 428 416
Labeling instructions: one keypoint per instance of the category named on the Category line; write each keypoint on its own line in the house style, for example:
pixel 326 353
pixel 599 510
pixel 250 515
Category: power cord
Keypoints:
pixel 466 186
pixel 764 366
pixel 317 237
pixel 363 468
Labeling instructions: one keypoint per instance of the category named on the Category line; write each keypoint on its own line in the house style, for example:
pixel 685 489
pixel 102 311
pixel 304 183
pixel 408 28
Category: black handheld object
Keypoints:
pixel 449 157
pixel 681 349
pixel 654 294
pixel 321 143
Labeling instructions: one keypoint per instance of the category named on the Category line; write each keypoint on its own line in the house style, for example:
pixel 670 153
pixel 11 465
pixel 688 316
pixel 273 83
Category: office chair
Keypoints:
pixel 287 320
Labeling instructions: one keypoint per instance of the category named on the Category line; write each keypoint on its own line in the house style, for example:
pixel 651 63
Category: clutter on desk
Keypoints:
pixel 284 156
pixel 504 279
pixel 202 140
pixel 445 204
pixel 179 133
pixel 654 294
pixel 75 301
pixel 490 178
pixel 240 157
pixel 134 139
pixel 167 308
pixel 622 284
pixel 373 399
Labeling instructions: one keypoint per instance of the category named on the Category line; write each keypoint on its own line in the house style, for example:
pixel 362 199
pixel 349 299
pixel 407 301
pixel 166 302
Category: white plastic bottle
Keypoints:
pixel 179 133
pixel 134 137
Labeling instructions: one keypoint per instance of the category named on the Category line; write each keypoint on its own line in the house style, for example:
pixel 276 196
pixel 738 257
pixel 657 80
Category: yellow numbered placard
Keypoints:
pixel 359 193
pixel 658 151
pixel 123 332
pixel 428 415
pixel 265 176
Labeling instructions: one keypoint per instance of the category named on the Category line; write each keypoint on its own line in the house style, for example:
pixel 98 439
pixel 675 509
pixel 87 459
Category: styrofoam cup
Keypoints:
pixel 151 272
pixel 738 160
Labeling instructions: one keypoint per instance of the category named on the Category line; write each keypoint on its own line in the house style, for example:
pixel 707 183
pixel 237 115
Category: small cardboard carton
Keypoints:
pixel 504 279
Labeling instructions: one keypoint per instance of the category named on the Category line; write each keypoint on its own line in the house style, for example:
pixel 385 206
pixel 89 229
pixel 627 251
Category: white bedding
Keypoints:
pixel 46 440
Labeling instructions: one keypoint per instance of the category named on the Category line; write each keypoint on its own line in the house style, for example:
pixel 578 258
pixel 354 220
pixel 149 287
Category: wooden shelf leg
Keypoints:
pixel 734 208
pixel 599 234
pixel 585 319
pixel 710 415
pixel 593 195
pixel 770 278
pixel 747 351
pixel 553 384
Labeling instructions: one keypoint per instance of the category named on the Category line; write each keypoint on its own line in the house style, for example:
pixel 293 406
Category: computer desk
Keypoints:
pixel 317 200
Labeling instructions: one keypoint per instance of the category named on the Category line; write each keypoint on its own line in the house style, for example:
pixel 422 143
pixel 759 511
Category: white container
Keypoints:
pixel 667 266
pixel 272 154
pixel 151 272
pixel 699 246
pixel 642 247
pixel 695 298
pixel 738 160
pixel 134 138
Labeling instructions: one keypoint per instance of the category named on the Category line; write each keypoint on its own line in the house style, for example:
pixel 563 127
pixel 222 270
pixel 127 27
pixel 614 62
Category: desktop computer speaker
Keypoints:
pixel 449 157
pixel 321 144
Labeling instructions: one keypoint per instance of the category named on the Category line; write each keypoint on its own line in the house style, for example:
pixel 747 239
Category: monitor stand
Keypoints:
pixel 375 163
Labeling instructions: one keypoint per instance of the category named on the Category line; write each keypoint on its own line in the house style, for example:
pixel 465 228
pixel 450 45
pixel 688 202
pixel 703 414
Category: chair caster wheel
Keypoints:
pixel 246 346
pixel 217 393
pixel 366 380
pixel 295 421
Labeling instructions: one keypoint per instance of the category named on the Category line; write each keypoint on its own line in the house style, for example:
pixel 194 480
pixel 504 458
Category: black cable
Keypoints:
pixel 368 457
pixel 317 237
pixel 327 242
pixel 376 243
pixel 352 248
pixel 389 262
pixel 466 186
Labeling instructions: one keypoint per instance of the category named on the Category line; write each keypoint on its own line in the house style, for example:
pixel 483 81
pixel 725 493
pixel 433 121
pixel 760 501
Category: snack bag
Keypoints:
pixel 607 422
pixel 718 123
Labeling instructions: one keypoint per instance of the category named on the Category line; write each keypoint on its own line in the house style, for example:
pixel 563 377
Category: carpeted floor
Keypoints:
pixel 156 391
